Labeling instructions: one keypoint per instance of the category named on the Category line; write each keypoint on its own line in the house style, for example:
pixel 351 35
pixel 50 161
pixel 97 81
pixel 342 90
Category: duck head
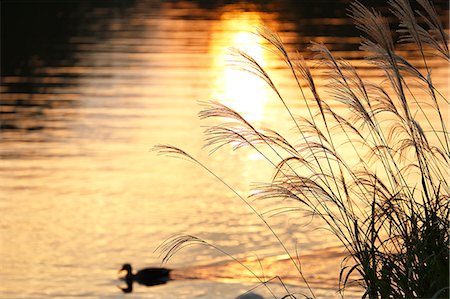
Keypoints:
pixel 128 278
pixel 127 268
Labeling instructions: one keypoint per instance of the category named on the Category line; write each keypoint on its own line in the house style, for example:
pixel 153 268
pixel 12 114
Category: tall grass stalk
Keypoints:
pixel 390 208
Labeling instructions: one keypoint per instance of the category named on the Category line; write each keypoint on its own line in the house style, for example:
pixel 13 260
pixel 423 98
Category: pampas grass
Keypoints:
pixel 390 208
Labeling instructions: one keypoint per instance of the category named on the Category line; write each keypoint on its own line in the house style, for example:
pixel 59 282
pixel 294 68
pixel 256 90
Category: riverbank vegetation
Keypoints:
pixel 389 204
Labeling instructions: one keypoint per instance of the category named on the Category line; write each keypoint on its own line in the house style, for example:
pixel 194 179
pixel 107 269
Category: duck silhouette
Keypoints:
pixel 147 277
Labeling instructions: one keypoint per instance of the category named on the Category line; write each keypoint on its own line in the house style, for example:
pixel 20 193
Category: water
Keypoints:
pixel 89 88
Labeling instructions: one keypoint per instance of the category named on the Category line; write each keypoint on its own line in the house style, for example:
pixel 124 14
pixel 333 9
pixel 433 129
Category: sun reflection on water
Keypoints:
pixel 233 86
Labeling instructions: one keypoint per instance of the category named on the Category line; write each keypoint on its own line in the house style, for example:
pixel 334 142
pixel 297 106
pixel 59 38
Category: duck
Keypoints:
pixel 147 276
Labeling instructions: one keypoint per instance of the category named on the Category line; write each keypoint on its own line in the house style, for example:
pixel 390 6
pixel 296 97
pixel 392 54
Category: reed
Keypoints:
pixel 389 207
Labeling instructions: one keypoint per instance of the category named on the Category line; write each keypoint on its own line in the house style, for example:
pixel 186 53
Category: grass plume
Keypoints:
pixel 390 208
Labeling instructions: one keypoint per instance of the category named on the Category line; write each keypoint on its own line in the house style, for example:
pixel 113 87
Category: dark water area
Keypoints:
pixel 88 87
pixel 38 35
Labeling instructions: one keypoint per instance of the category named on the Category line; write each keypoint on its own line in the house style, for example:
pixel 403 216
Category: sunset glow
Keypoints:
pixel 241 90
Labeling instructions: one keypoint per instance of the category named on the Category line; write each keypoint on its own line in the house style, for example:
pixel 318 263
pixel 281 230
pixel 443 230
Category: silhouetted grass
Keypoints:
pixel 390 208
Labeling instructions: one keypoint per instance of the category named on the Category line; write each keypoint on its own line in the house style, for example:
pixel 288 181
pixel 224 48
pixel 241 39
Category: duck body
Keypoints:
pixel 152 276
pixel 147 277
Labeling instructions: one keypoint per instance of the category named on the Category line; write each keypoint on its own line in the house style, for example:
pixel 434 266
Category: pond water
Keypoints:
pixel 88 88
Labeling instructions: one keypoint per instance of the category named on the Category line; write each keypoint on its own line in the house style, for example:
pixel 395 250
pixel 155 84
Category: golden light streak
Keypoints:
pixel 236 88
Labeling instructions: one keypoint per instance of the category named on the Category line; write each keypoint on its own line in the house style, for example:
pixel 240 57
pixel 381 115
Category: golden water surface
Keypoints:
pixel 81 191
